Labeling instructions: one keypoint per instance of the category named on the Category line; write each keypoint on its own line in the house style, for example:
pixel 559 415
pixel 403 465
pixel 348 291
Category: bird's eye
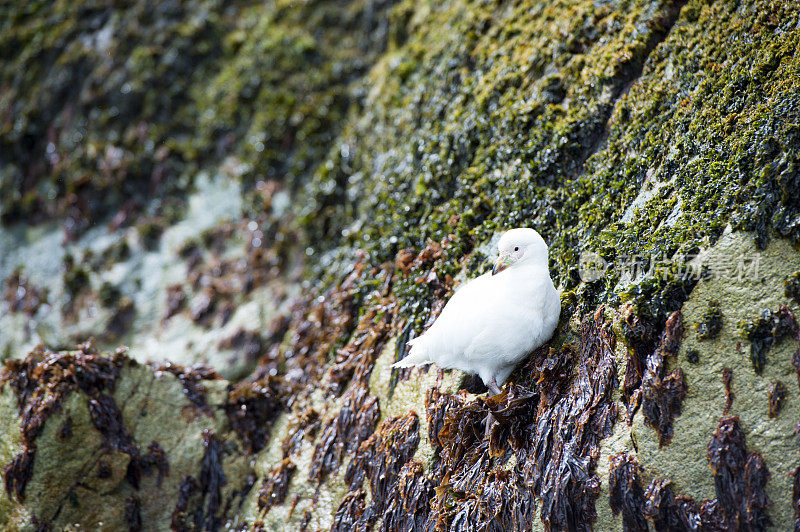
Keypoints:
pixel 516 248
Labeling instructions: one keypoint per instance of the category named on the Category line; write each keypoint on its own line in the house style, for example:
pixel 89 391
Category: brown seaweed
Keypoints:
pixel 626 495
pixel 18 472
pixel 176 300
pixel 796 497
pixel 775 397
pixel 275 485
pixel 180 518
pixel 562 458
pixel 305 426
pixel 555 456
pixel 22 295
pixel 155 457
pixel 248 344
pixel 408 505
pixel 662 396
pixel 317 327
pixel 251 408
pixel 121 320
pixel 379 461
pixel 357 358
pixel 641 337
pixel 41 382
pixel 739 478
pixel 349 514
pixel 727 380
pixel 191 379
pixel 670 513
pixel 212 479
pixel 133 513
pixel 353 424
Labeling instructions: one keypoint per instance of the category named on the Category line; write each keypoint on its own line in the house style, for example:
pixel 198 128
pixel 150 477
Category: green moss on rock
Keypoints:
pixel 791 287
pixel 624 130
pixel 711 323
pixel 100 106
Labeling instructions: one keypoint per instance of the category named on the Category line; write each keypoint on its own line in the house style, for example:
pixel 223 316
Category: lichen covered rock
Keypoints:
pixel 291 191
pixel 101 441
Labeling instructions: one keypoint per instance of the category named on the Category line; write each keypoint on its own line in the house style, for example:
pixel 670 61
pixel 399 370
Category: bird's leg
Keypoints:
pixel 493 387
pixel 489 421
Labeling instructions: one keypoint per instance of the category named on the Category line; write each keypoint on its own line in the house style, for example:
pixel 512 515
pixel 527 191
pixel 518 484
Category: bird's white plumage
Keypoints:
pixel 494 321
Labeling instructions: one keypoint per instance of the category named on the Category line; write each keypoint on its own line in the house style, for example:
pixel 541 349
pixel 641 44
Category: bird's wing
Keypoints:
pixel 491 321
pixel 469 312
pixel 444 338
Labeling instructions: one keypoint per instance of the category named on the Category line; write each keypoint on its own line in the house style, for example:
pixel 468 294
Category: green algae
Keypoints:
pixel 791 287
pixel 626 128
pixel 711 323
pixel 103 110
pixel 609 130
pixel 76 278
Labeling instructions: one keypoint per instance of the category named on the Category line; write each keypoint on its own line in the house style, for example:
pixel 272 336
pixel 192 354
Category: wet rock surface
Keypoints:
pixel 266 202
pixel 104 441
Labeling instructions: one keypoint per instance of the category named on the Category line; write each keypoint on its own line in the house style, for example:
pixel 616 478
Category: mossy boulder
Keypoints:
pixel 101 441
pixel 291 191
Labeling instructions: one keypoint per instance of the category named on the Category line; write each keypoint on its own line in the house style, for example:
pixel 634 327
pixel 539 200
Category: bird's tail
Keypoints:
pixel 417 355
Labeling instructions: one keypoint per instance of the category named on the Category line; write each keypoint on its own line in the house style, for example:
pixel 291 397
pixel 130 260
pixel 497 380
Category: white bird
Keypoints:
pixel 497 319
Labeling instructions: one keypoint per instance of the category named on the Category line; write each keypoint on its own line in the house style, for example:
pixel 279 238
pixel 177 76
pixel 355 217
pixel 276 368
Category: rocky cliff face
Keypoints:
pixel 265 202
